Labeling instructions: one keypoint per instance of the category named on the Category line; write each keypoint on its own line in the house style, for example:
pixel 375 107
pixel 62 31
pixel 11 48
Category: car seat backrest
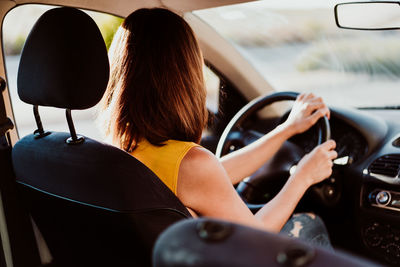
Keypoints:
pixel 95 204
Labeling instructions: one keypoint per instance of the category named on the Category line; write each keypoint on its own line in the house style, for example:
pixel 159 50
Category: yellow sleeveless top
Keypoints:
pixel 164 160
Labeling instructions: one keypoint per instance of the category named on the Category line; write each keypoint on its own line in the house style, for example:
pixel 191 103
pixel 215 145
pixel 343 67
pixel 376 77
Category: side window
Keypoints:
pixel 16 27
pixel 213 84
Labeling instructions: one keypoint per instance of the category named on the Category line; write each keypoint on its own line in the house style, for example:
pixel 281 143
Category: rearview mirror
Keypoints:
pixel 368 15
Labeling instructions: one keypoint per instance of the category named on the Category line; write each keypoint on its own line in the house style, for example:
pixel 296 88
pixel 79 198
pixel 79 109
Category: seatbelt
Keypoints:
pixel 17 239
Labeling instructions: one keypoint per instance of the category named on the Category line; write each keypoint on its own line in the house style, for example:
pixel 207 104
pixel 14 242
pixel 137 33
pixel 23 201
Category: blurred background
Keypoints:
pixel 295 45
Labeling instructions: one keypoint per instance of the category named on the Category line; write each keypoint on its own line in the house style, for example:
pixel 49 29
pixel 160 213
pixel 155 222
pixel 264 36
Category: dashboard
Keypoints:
pixel 363 194
pixel 350 143
pixel 369 180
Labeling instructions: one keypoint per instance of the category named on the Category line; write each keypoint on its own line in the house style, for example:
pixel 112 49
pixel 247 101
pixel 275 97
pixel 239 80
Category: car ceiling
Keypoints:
pixel 125 7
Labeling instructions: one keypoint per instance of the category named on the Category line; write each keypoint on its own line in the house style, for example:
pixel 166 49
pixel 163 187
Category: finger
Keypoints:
pixel 309 96
pixel 332 154
pixel 316 116
pixel 314 106
pixel 301 96
pixel 319 100
pixel 328 115
pixel 329 145
pixel 330 164
pixel 325 111
pixel 316 100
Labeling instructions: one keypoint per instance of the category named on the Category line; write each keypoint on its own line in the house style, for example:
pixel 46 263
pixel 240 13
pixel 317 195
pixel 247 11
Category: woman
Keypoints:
pixel 155 109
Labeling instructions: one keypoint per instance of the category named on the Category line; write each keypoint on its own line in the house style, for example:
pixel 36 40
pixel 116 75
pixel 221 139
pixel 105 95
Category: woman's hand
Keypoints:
pixel 306 111
pixel 317 165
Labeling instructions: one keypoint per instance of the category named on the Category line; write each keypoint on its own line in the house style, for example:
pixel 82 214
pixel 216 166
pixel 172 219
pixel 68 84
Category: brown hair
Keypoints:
pixel 156 89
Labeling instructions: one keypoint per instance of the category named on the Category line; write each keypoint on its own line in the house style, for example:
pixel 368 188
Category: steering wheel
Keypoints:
pixel 275 172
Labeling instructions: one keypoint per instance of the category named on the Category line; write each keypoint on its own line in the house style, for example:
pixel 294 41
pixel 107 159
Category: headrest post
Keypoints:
pixel 74 139
pixel 39 132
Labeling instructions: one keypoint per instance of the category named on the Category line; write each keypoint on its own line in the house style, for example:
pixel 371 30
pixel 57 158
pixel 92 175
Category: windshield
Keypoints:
pixel 297 46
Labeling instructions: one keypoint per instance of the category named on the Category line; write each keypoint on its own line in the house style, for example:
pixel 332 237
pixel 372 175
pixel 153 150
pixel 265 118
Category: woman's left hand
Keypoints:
pixel 306 111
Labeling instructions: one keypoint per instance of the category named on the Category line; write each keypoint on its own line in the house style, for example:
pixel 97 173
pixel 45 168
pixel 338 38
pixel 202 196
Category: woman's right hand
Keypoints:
pixel 317 165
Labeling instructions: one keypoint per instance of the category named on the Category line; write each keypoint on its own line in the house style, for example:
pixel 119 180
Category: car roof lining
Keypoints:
pixel 124 7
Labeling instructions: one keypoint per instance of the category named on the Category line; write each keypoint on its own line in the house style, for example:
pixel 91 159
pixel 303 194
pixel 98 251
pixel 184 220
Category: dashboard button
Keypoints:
pixel 372 237
pixel 383 198
pixel 393 251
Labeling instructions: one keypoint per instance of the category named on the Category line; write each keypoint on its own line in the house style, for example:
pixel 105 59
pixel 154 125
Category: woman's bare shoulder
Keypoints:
pixel 200 170
pixel 199 160
pixel 204 187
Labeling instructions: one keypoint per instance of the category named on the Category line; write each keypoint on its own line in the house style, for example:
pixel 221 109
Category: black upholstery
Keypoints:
pixel 61 65
pixel 208 242
pixel 95 204
pixel 92 173
pixel 82 235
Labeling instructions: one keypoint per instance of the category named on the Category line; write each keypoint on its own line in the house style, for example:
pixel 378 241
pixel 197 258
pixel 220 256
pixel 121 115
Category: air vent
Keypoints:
pixel 388 165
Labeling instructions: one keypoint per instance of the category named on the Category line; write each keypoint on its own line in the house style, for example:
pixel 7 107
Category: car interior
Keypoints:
pixel 71 199
pixel 70 191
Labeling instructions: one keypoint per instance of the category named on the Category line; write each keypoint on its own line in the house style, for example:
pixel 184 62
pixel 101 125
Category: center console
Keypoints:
pixel 380 222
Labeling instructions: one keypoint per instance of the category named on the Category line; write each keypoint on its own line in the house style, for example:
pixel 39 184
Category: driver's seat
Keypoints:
pixel 94 204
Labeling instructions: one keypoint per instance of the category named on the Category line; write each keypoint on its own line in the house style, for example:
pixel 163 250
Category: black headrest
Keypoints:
pixel 64 61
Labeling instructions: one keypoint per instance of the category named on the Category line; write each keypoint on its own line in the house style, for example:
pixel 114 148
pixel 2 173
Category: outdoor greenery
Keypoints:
pixel 108 25
pixel 14 47
pixel 373 57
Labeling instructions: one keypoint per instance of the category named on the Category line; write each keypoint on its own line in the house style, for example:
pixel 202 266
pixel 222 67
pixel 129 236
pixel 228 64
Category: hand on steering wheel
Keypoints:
pixel 277 169
pixel 321 156
pixel 302 110
pixel 306 111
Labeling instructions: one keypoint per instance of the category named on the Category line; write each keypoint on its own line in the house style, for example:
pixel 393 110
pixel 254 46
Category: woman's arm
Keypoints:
pixel 204 186
pixel 246 161
pixel 312 169
pixel 306 111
